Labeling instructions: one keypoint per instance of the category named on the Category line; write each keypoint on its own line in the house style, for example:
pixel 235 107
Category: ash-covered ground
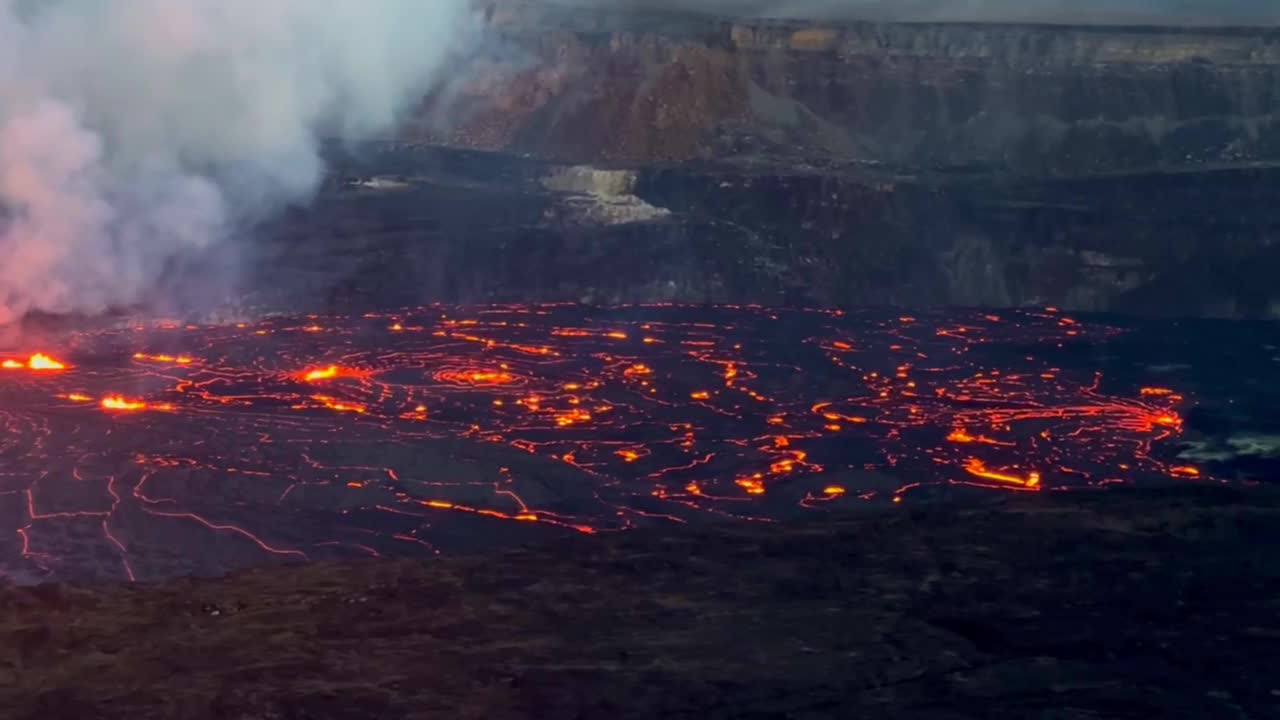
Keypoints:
pixel 161 449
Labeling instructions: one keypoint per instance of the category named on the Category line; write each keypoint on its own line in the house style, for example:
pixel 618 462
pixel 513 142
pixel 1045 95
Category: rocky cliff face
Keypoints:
pixel 592 86
pixel 612 156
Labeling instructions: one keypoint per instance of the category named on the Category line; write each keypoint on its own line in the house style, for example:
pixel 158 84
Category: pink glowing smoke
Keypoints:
pixel 134 130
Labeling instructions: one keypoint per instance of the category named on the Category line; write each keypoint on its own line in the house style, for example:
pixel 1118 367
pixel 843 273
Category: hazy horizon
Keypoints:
pixel 1102 12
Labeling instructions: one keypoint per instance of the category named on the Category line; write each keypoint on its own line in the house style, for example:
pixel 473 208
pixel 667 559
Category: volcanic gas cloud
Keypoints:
pixel 133 131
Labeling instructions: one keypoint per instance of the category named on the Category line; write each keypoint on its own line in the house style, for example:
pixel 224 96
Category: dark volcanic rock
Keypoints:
pixel 632 156
pixel 517 230
pixel 1116 605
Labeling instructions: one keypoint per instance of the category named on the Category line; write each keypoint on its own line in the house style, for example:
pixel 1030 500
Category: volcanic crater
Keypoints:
pixel 153 449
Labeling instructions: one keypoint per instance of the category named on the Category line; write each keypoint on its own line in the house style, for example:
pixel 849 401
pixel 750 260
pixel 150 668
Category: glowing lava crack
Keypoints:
pixel 208 448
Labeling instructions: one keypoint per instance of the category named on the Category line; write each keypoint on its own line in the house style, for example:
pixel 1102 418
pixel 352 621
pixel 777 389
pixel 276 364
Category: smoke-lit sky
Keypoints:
pixel 1216 12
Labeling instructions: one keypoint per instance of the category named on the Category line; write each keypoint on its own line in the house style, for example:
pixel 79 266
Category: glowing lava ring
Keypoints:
pixel 478 377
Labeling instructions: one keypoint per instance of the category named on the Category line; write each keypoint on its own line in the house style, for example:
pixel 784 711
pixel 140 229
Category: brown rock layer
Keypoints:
pixel 597 85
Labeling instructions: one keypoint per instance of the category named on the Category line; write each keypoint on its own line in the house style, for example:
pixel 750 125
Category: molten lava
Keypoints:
pixel 539 418
pixel 331 372
pixel 116 402
pixel 476 376
pixel 978 468
pixel 178 360
pixel 39 362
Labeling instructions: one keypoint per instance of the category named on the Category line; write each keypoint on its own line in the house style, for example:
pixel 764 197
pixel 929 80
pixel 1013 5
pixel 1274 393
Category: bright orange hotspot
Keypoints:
pixel 322 374
pixel 40 361
pixel 117 402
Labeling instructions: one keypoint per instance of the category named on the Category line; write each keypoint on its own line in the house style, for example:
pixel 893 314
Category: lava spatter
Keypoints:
pixel 430 429
pixel 331 372
pixel 38 362
pixel 117 402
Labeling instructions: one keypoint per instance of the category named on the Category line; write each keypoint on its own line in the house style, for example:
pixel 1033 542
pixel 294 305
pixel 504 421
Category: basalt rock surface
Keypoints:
pixel 417 224
pixel 1101 605
pixel 645 156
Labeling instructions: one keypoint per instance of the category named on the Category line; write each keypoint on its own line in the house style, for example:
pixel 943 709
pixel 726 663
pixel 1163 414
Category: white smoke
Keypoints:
pixel 134 130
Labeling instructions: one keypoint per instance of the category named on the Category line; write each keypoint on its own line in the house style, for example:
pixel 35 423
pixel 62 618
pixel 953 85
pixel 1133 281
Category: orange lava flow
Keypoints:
pixel 407 430
pixel 339 405
pixel 171 359
pixel 324 374
pixel 328 373
pixel 476 376
pixel 117 402
pixel 38 362
pixel 977 468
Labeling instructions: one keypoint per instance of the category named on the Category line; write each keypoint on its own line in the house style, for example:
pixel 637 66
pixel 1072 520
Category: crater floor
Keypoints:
pixel 161 449
pixel 1122 604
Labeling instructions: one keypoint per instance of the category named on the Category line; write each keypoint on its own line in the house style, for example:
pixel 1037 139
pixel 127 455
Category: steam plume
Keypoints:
pixel 133 130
